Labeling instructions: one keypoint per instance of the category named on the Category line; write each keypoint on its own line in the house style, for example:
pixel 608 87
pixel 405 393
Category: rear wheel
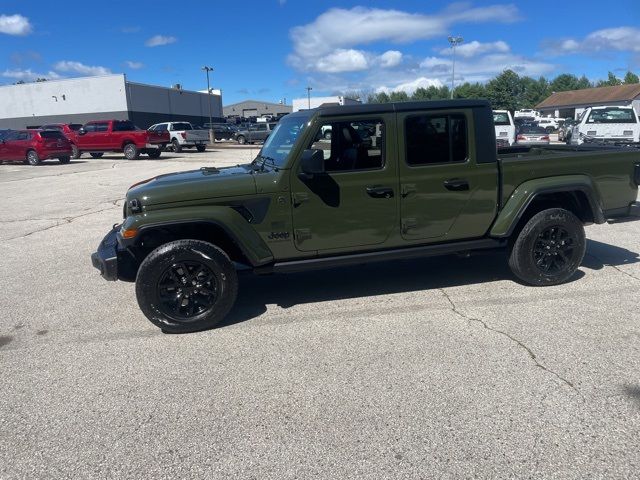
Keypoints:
pixel 186 285
pixel 327 135
pixel 154 153
pixel 241 139
pixel 201 148
pixel 176 146
pixel 549 248
pixel 96 154
pixel 33 158
pixel 64 159
pixel 549 129
pixel 131 151
pixel 75 153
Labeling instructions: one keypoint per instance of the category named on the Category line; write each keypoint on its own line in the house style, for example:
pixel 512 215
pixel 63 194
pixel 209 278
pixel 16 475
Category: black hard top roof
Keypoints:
pixel 401 107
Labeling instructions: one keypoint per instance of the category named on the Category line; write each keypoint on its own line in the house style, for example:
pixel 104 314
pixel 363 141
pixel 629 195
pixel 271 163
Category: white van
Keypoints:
pixel 505 128
pixel 607 124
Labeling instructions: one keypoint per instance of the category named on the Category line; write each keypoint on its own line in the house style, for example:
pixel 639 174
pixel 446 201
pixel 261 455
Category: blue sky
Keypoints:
pixel 273 49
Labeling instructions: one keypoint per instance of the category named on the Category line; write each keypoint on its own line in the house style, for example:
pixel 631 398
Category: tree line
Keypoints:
pixel 507 91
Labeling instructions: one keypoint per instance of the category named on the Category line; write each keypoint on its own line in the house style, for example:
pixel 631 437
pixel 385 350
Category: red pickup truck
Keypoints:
pixel 119 136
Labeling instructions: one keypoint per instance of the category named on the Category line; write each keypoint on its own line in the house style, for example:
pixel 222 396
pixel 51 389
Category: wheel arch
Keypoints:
pixel 579 197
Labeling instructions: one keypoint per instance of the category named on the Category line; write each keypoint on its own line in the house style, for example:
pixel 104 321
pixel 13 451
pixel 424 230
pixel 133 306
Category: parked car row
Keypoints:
pixel 34 146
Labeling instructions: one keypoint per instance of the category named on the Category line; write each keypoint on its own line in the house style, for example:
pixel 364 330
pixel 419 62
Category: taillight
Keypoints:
pixel 39 138
pixel 521 137
pixel 546 137
pixel 184 135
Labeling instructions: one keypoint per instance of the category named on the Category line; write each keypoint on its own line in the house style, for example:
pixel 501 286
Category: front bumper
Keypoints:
pixel 106 258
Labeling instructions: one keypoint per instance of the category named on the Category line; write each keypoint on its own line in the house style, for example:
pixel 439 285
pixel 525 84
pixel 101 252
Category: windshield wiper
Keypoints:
pixel 265 159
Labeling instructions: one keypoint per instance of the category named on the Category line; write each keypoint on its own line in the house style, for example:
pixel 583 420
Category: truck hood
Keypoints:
pixel 193 185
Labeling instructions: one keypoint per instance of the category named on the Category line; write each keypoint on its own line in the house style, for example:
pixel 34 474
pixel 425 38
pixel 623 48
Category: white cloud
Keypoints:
pixel 411 86
pixel 342 61
pixel 15 25
pixel 28 75
pixel 390 58
pixel 158 40
pixel 474 48
pixel 622 39
pixel 134 65
pixel 77 67
pixel 341 29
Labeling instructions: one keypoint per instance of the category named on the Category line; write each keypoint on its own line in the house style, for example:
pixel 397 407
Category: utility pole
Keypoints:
pixel 211 134
pixel 309 97
pixel 454 41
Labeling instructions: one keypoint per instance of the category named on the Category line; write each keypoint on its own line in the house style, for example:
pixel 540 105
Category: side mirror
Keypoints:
pixel 311 164
pixel 81 131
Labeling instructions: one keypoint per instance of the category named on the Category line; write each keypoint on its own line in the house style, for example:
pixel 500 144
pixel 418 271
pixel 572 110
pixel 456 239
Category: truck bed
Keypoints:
pixel 608 168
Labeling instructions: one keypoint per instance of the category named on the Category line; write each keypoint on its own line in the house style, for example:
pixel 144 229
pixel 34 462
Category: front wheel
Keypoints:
pixel 33 158
pixel 131 151
pixel 64 159
pixel 176 146
pixel 201 148
pixel 75 152
pixel 241 139
pixel 96 154
pixel 154 153
pixel 186 286
pixel 549 248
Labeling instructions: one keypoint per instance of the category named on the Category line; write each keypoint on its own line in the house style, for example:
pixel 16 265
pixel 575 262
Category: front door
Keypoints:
pixel 353 204
pixel 447 193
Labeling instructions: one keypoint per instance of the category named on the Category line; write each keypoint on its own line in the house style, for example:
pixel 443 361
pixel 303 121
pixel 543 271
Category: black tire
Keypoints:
pixel 241 139
pixel 154 153
pixel 549 129
pixel 327 135
pixel 33 158
pixel 171 270
pixel 96 154
pixel 201 148
pixel 75 153
pixel 64 159
pixel 549 248
pixel 131 152
pixel 176 146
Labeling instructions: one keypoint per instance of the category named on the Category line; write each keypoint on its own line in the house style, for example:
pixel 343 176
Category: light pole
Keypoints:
pixel 309 97
pixel 211 135
pixel 454 41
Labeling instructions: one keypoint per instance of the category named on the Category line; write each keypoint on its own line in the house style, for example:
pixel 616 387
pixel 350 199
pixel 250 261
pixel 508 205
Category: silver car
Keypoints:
pixel 255 132
pixel 532 135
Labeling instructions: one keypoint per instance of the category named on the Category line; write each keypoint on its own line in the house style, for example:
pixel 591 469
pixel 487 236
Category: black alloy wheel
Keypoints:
pixel 554 250
pixel 187 290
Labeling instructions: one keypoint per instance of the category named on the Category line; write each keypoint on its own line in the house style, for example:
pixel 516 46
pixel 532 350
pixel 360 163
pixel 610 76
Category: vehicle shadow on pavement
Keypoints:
pixel 380 278
pixel 601 254
pixel 385 278
pixel 633 392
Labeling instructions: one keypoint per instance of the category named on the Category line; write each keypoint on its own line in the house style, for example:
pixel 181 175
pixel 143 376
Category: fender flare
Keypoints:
pixel 527 192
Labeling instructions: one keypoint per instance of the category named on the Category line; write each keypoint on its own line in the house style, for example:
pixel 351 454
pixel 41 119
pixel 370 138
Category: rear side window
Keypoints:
pixel 612 115
pixel 122 126
pixel 501 118
pixel 52 134
pixel 182 126
pixel 102 127
pixel 51 127
pixel 431 139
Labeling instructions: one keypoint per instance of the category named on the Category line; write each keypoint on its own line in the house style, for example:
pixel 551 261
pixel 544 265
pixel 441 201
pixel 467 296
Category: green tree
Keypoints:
pixel 611 81
pixel 431 93
pixel 534 91
pixel 400 96
pixel 584 82
pixel 470 90
pixel 505 91
pixel 380 97
pixel 631 78
pixel 565 82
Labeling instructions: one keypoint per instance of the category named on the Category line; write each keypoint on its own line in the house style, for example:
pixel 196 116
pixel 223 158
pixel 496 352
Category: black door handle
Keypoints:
pixel 380 192
pixel 456 184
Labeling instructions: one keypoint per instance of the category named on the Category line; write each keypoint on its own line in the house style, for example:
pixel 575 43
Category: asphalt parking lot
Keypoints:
pixel 443 367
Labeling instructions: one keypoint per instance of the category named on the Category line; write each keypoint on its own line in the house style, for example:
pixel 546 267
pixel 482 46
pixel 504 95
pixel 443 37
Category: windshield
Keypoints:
pixel 277 146
pixel 501 118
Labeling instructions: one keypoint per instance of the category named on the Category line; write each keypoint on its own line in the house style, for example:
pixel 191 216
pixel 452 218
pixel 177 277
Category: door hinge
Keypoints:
pixel 298 198
pixel 302 234
pixel 409 224
pixel 408 188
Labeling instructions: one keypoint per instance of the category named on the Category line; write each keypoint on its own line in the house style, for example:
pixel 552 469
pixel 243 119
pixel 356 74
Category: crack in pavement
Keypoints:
pixel 615 267
pixel 519 343
pixel 65 221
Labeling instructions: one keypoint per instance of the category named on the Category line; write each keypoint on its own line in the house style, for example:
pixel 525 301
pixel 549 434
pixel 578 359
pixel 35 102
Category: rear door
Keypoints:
pixel 355 203
pixel 446 191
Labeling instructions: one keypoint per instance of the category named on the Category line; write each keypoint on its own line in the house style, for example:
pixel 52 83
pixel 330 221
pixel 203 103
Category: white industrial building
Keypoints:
pixel 315 102
pixel 78 100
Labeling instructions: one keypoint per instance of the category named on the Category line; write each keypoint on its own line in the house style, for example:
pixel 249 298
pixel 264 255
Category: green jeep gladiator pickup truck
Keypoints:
pixel 394 181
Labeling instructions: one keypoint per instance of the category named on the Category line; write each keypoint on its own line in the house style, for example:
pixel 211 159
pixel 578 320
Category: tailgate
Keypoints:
pixel 197 135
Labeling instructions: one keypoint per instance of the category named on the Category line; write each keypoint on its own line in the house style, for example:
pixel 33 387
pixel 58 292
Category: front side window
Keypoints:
pixel 90 127
pixel 351 145
pixel 102 127
pixel 435 138
pixel 161 128
pixel 612 115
